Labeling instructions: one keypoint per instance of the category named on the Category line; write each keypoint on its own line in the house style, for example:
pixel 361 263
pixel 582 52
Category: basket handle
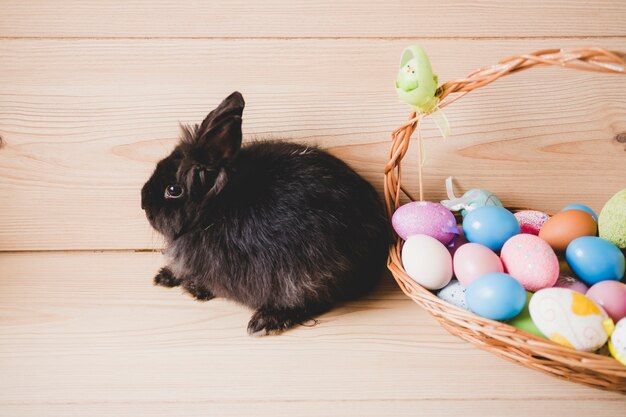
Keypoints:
pixel 586 59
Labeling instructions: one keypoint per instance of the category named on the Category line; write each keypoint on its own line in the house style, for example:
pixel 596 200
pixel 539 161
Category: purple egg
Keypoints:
pixel 425 218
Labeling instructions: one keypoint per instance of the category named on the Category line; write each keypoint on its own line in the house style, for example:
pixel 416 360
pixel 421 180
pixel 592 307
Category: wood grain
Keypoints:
pixel 87 333
pixel 303 18
pixel 84 121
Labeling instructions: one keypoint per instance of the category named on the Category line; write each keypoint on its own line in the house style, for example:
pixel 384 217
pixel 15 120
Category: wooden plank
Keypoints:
pixel 320 18
pixel 88 333
pixel 84 122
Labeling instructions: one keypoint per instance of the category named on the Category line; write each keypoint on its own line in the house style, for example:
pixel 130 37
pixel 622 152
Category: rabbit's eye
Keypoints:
pixel 173 191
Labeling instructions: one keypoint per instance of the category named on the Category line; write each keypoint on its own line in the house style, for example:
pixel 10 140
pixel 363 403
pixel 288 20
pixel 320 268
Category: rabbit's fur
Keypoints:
pixel 285 229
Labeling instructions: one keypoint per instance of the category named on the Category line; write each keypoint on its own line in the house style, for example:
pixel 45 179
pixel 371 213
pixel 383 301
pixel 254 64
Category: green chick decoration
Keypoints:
pixel 416 84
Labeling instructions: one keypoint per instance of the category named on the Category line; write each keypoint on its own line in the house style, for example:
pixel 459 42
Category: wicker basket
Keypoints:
pixel 500 338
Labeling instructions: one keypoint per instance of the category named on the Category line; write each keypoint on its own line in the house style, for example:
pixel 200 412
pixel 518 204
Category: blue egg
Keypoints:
pixel 496 296
pixel 490 226
pixel 594 259
pixel 583 208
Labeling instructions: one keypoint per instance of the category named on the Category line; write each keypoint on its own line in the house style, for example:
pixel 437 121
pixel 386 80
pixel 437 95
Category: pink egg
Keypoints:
pixel 610 295
pixel 568 281
pixel 472 261
pixel 530 221
pixel 425 218
pixel 531 261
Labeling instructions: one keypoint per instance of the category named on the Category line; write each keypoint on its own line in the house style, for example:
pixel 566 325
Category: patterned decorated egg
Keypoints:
pixel 570 319
pixel 612 220
pixel 530 221
pixel 617 344
pixel 425 218
pixel 454 293
pixel 531 261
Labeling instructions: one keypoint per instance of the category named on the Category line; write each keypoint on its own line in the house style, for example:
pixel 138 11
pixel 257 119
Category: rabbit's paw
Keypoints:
pixel 199 293
pixel 166 278
pixel 267 321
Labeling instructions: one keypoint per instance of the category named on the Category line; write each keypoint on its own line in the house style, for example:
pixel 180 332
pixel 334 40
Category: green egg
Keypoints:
pixel 612 220
pixel 523 321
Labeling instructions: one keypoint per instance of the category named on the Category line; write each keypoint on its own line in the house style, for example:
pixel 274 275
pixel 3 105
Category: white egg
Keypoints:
pixel 454 293
pixel 427 261
pixel 570 319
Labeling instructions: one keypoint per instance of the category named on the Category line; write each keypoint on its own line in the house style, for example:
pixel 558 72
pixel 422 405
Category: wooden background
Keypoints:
pixel 91 94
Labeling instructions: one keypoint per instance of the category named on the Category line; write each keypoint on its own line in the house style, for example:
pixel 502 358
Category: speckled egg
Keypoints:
pixel 570 319
pixel 617 344
pixel 530 221
pixel 425 218
pixel 454 293
pixel 531 261
pixel 612 220
pixel 566 226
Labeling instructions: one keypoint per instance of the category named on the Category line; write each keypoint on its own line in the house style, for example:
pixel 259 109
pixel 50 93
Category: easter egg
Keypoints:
pixel 472 261
pixel 594 259
pixel 568 281
pixel 454 293
pixel 425 218
pixel 617 344
pixel 566 226
pixel 611 296
pixel 458 241
pixel 612 220
pixel 523 321
pixel 531 261
pixel 471 200
pixel 570 319
pixel 530 221
pixel 427 261
pixel 583 208
pixel 490 226
pixel 496 296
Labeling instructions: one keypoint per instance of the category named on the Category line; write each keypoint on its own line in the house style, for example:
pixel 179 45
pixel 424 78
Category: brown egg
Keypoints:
pixel 566 226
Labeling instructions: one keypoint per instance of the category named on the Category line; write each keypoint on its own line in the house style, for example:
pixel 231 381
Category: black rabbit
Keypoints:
pixel 285 229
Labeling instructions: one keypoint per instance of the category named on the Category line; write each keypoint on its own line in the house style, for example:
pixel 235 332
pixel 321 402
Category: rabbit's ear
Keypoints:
pixel 231 106
pixel 219 135
pixel 222 141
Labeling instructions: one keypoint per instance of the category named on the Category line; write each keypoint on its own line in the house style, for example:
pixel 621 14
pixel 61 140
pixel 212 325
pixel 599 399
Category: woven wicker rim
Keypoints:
pixel 500 338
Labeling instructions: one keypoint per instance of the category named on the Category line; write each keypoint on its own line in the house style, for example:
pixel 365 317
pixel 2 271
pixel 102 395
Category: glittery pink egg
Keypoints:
pixel 531 261
pixel 425 218
pixel 530 221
